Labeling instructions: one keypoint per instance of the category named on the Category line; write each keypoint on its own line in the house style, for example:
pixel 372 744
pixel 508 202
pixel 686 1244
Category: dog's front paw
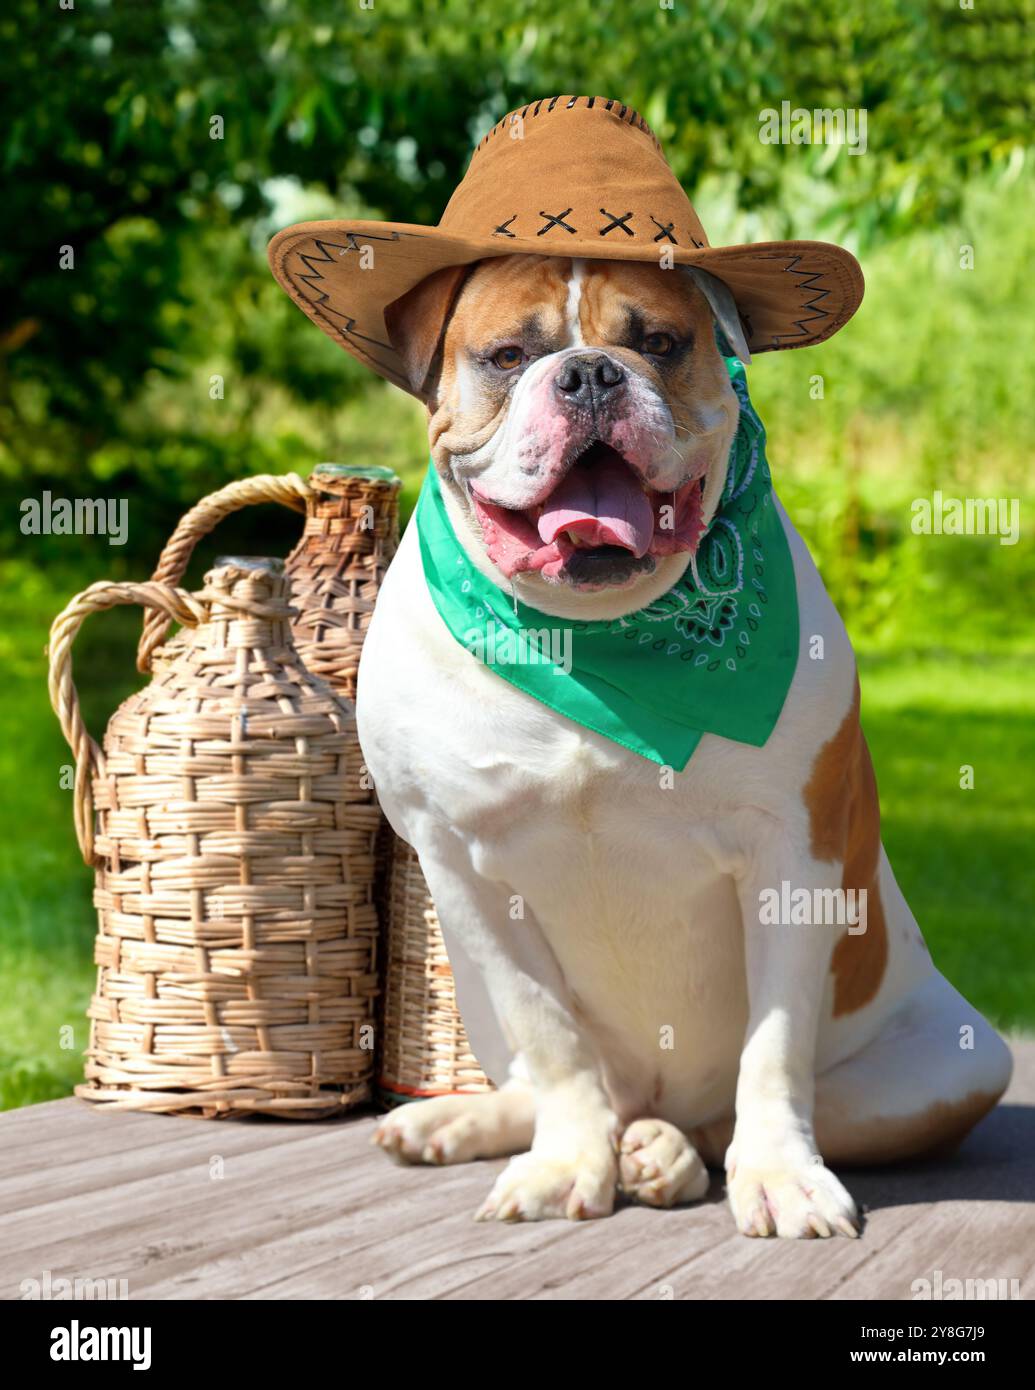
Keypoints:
pixel 659 1165
pixel 457 1129
pixel 539 1187
pixel 797 1202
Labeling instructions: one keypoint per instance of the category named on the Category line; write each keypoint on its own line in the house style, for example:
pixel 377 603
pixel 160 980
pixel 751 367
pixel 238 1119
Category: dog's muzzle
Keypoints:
pixel 601 525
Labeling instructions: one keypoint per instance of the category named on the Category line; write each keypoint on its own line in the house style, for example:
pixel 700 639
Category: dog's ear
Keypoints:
pixel 416 322
pixel 724 310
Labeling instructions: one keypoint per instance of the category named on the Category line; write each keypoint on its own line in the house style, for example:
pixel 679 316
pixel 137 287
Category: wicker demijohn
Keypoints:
pixel 351 532
pixel 234 850
pixel 424 1047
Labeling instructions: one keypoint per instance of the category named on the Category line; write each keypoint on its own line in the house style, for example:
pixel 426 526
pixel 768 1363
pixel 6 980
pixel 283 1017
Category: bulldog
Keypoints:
pixel 642 1018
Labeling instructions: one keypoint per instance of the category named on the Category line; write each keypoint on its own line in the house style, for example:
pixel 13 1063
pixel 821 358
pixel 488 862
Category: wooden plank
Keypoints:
pixel 453 1250
pixel 177 1190
pixel 22 1129
pixel 64 1176
pixel 601 1259
pixel 109 1143
pixel 326 1255
pixel 323 1225
pixel 311 1210
pixel 966 1240
pixel 773 1270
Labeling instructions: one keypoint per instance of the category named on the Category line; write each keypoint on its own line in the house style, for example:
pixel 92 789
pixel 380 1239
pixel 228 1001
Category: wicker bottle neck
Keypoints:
pixel 344 479
pixel 249 609
pixel 362 518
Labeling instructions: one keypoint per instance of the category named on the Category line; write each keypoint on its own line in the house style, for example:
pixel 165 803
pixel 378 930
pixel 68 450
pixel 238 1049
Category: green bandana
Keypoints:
pixel 716 654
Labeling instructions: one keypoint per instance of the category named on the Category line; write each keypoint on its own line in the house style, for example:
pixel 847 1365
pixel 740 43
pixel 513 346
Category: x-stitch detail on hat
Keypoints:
pixel 616 222
pixel 558 221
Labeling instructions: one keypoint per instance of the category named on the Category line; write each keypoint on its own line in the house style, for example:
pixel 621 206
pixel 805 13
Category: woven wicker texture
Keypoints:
pixel 234 848
pixel 289 490
pixel 351 533
pixel 425 1051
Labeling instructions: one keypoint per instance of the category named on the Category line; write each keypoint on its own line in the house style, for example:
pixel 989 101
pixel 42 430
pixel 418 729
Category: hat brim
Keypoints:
pixel 343 274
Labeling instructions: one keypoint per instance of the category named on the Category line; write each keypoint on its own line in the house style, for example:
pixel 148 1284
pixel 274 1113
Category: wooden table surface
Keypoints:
pixel 261 1209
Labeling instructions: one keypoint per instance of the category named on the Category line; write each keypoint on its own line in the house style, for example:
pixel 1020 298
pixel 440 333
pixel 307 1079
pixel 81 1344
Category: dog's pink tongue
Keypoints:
pixel 603 505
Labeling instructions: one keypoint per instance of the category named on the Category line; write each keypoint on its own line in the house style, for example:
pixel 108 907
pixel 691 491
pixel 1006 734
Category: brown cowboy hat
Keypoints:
pixel 564 176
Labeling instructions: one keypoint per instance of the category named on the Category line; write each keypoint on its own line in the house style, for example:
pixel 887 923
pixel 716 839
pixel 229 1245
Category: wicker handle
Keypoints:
pixel 89 760
pixel 288 489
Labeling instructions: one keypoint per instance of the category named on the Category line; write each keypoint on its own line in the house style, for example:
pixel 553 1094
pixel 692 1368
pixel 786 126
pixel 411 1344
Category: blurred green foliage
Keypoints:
pixel 106 118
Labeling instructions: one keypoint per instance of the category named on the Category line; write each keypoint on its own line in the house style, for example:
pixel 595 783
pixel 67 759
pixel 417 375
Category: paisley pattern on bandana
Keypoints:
pixel 706 607
pixel 715 654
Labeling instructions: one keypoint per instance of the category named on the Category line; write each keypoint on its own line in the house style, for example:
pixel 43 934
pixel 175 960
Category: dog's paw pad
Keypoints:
pixel 540 1188
pixel 445 1129
pixel 659 1166
pixel 804 1203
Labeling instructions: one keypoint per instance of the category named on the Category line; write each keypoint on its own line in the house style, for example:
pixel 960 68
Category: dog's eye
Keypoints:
pixel 658 344
pixel 507 358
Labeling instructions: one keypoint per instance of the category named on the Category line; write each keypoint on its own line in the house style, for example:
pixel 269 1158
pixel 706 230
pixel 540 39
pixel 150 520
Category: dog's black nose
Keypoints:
pixel 583 380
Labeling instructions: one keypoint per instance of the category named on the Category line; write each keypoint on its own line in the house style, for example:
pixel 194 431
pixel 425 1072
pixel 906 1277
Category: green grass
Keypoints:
pixel 46 936
pixel 962 858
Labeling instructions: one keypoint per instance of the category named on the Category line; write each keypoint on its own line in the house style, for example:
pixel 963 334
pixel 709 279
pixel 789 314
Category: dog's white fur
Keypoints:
pixel 604 934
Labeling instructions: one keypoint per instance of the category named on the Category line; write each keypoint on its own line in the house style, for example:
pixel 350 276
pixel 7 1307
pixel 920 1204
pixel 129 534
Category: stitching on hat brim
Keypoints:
pixel 835 263
pixel 627 114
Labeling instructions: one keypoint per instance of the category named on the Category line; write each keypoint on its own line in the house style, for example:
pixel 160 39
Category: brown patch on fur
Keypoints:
pixel 499 296
pixel 844 822
pixel 935 1132
pixel 610 288
pixel 496 299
